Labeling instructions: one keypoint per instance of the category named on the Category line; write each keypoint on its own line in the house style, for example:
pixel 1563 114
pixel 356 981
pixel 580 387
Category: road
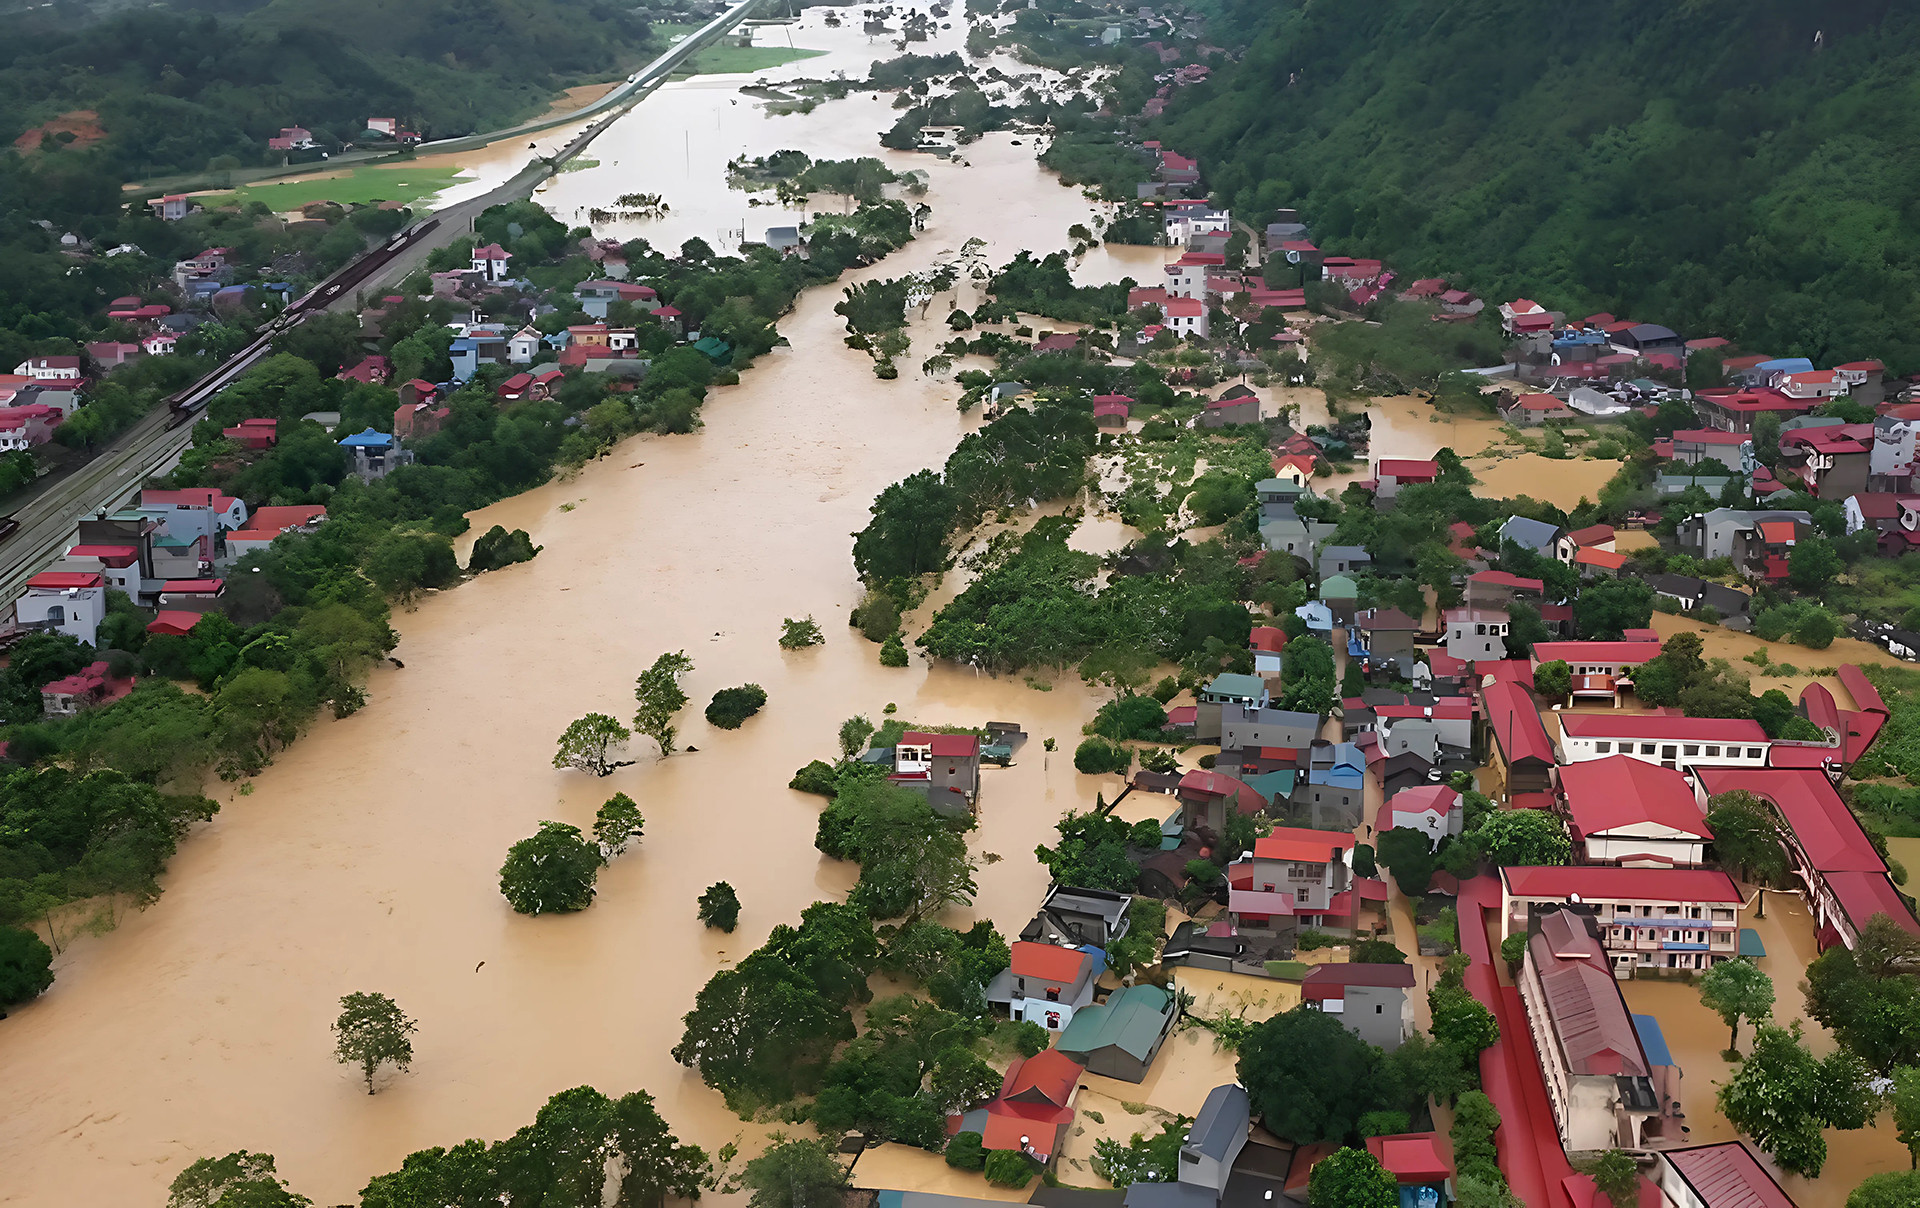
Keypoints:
pixel 48 514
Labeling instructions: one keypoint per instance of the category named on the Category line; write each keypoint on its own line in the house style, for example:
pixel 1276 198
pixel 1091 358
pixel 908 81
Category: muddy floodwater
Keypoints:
pixel 366 858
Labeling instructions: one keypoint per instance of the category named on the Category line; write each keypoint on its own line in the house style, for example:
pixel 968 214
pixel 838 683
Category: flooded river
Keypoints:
pixel 366 858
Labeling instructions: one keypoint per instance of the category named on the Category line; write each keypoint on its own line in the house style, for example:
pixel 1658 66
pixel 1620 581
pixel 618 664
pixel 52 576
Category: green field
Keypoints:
pixel 729 60
pixel 357 187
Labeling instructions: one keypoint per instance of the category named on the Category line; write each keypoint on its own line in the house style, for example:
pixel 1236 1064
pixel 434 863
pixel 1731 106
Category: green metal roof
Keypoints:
pixel 1339 587
pixel 1274 785
pixel 1228 683
pixel 1131 1020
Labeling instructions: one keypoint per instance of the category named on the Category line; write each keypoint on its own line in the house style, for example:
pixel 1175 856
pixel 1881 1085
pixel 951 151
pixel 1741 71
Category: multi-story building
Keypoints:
pixel 1674 742
pixel 1647 918
pixel 1623 810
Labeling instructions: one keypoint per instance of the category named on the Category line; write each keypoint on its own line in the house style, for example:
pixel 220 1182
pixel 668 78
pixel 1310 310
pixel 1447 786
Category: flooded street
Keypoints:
pixel 366 858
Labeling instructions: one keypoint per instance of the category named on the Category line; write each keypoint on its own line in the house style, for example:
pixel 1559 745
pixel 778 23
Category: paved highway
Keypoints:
pixel 48 514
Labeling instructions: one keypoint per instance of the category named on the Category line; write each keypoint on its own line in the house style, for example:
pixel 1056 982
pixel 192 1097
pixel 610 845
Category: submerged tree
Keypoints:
pixel 1737 990
pixel 372 1030
pixel 239 1180
pixel 720 907
pixel 660 696
pixel 588 744
pixel 554 870
pixel 617 824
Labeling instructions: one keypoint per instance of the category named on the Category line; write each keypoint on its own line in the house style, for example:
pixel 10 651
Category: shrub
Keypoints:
pixel 1513 949
pixel 720 907
pixel 817 777
pixel 1377 952
pixel 965 1152
pixel 1030 1038
pixel 1311 940
pixel 1145 835
pixel 1097 756
pixel 1005 1168
pixel 732 706
pixel 497 547
pixel 798 635
pixel 1130 717
pixel 26 965
pixel 893 652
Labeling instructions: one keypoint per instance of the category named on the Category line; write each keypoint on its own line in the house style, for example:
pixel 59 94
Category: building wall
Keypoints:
pixel 79 613
pixel 1668 754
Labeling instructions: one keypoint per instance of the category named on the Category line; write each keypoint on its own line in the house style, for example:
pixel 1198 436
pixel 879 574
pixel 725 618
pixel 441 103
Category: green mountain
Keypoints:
pixel 1743 168
pixel 175 87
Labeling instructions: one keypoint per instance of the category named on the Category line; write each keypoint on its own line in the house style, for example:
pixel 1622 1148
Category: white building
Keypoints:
pixel 1186 317
pixel 1674 742
pixel 1649 918
pixel 66 601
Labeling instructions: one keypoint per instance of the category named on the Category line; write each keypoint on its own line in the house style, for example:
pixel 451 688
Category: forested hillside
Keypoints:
pixel 174 88
pixel 1735 167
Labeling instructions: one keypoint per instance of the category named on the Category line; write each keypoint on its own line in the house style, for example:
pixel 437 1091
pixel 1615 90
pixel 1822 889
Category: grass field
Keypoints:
pixel 358 186
pixel 729 60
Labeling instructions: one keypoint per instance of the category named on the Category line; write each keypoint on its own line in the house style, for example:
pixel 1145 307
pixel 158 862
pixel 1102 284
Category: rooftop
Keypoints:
pixel 1618 790
pixel 1605 883
pixel 1652 727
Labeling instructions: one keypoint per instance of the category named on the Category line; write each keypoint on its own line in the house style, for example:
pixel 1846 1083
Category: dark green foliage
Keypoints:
pixel 795 1173
pixel 1376 952
pixel 1352 1178
pixel 899 1079
pixel 1640 199
pixel 911 522
pixel 965 1152
pixel 239 1180
pixel 1474 1120
pixel 720 907
pixel 1783 1097
pixel 1408 854
pixel 1097 756
pixel 1007 1168
pixel 732 706
pixel 1892 1189
pixel 561 1158
pixel 817 777
pixel 1091 853
pixel 1130 717
pixel 1045 287
pixel 893 652
pixel 1554 680
pixel 912 862
pixel 1869 995
pixel 1606 607
pixel 26 966
pixel 496 548
pixel 762 1031
pixel 552 871
pixel 1309 1078
pixel 67 835
pixel 1145 1158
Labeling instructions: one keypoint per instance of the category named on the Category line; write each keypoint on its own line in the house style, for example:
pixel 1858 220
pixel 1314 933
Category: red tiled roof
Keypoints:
pixel 1183 307
pixel 1048 962
pixel 1606 794
pixel 1246 798
pixel 173 622
pixel 1820 821
pixel 1501 578
pixel 945 746
pixel 61 580
pixel 280 519
pixel 1514 721
pixel 1727 1175
pixel 1267 639
pixel 1407 467
pixel 1655 726
pixel 1624 653
pixel 1605 883
pixel 1865 695
pixel 1299 843
pixel 1865 894
pixel 1411 1157
pixel 1603 558
pixel 192 587
pixel 1048 1075
pixel 1593 534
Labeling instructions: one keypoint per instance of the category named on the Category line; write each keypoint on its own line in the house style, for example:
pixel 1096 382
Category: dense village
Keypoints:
pixel 1430 819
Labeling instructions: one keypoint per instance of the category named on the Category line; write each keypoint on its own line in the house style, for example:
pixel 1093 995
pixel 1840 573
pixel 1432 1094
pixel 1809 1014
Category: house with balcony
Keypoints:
pixel 1833 461
pixel 1047 982
pixel 944 763
pixel 1890 465
pixel 1290 879
pixel 1627 811
pixel 1604 1091
pixel 64 601
pixel 1673 742
pixel 1839 872
pixel 1384 638
pixel 1645 918
pixel 1731 450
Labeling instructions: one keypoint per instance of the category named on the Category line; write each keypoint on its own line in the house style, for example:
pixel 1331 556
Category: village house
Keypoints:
pixel 1187 317
pixel 1372 1001
pixel 375 454
pixel 1536 536
pixel 1227 688
pixel 1734 607
pixel 1343 560
pixel 1594 536
pixel 1237 405
pixel 1206 797
pixel 1432 809
pixel 1441 726
pixel 940 764
pixel 1384 638
pixel 267 523
pixel 1392 473
pixel 1475 634
pixel 193 512
pixel 1291 879
pixel 1839 872
pixel 1732 532
pixel 1674 742
pixel 1120 1037
pixel 1279 498
pixel 1532 410
pixel 597 297
pixel 90 687
pixel 50 369
pixel 1628 811
pixel 1187 276
pixel 26 426
pixel 69 602
pixel 1048 983
pixel 192 595
pixel 1499 588
pixel 1111 411
pixel 1604 1091
pixel 1832 461
pixel 1268 646
pixel 172 208
pixel 1890 465
pixel 1332 796
pixel 1734 450
pixel 1079 918
pixel 1733 410
pixel 254 435
pixel 1031 1113
pixel 491 262
pixel 1520 754
pixel 1419 1163
pixel 1243 727
pixel 291 138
